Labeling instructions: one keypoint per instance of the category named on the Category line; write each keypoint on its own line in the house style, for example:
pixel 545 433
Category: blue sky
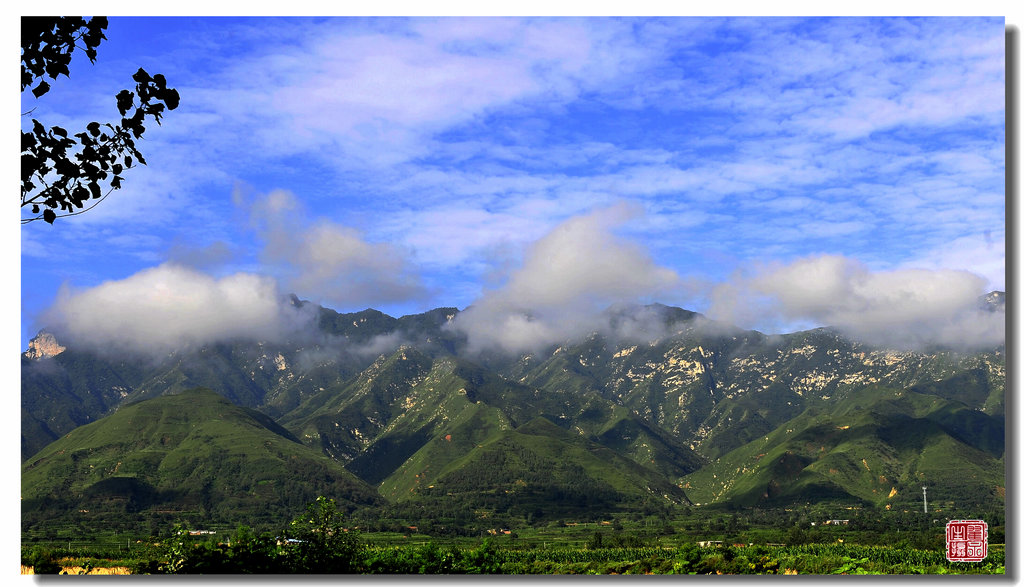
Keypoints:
pixel 775 173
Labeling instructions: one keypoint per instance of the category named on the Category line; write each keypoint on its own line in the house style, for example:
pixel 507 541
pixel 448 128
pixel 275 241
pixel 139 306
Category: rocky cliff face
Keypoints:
pixel 43 345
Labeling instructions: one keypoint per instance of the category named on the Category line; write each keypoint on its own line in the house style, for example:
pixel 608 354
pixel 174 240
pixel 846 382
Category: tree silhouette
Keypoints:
pixel 58 172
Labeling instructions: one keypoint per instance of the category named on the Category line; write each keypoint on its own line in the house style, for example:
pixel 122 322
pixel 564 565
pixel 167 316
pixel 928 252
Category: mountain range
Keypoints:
pixel 383 412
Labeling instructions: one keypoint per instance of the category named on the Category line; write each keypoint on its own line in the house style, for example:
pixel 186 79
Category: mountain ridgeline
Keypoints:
pixel 383 412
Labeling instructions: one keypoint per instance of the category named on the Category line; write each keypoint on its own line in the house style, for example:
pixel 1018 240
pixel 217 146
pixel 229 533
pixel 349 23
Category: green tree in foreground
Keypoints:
pixel 313 543
pixel 320 543
pixel 58 172
pixel 42 561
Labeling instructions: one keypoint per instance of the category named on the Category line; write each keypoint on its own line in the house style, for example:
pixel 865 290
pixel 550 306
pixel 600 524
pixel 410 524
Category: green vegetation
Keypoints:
pixel 322 541
pixel 539 467
pixel 878 447
pixel 192 454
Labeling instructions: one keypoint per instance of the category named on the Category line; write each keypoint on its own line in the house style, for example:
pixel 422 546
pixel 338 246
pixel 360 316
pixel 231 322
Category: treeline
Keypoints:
pixel 251 554
pixel 327 539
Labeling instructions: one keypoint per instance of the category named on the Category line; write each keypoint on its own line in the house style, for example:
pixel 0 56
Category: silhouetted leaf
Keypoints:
pixel 41 89
pixel 49 216
pixel 56 68
pixel 66 168
pixel 29 164
pixel 124 101
pixel 171 98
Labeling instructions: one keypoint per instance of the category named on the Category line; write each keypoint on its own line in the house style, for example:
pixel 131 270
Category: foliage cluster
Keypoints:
pixel 58 172
pixel 247 553
pixel 315 542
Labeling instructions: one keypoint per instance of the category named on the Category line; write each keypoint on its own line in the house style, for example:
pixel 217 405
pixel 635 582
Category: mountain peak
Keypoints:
pixel 994 301
pixel 43 345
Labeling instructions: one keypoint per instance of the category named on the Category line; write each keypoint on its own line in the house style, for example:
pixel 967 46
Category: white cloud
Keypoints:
pixel 582 258
pixel 327 261
pixel 905 308
pixel 983 254
pixel 171 307
pixel 567 279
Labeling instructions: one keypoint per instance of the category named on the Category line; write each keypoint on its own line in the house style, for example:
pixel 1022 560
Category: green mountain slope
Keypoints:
pixel 342 420
pixel 407 417
pixel 399 403
pixel 77 386
pixel 63 392
pixel 192 452
pixel 544 470
pixel 469 427
pixel 715 387
pixel 402 417
pixel 877 447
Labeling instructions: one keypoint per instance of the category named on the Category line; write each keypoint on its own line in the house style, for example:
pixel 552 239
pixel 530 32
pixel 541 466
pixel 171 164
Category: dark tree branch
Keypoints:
pixel 58 171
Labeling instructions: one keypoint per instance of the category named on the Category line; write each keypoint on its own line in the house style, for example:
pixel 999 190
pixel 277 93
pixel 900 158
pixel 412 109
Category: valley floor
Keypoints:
pixel 391 554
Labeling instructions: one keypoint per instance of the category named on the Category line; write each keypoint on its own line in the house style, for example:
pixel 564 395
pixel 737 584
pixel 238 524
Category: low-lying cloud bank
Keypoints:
pixel 902 308
pixel 172 307
pixel 567 279
pixel 178 305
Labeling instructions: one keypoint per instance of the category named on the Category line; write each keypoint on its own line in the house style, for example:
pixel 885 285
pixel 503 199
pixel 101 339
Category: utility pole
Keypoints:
pixel 925 490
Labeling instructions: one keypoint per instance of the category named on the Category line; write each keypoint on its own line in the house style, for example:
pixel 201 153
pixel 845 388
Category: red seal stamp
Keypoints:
pixel 966 541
